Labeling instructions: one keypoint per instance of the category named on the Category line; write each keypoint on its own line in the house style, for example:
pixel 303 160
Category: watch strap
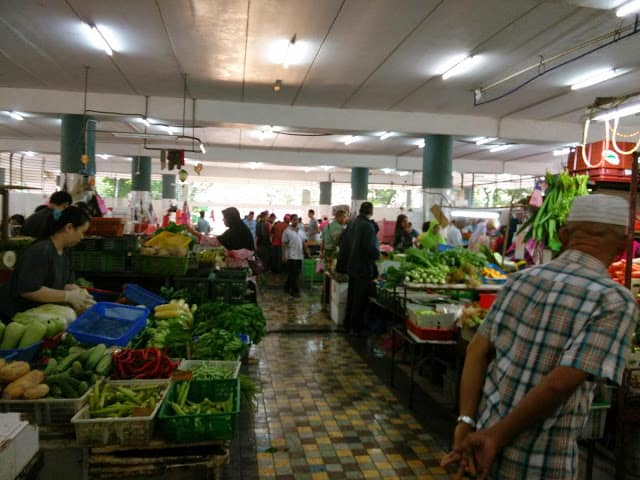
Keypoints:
pixel 468 420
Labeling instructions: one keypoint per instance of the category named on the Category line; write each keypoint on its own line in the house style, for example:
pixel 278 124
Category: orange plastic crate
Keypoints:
pixel 106 227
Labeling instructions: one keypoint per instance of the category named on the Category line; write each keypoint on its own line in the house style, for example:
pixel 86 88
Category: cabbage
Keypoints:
pixel 48 311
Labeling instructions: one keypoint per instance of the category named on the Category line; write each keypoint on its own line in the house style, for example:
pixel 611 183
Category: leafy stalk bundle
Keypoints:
pixel 552 215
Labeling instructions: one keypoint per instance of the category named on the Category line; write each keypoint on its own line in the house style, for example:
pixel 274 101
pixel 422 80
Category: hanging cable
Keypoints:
pixel 619 150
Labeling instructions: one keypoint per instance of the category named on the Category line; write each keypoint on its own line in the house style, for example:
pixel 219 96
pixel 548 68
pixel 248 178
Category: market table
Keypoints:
pixel 430 347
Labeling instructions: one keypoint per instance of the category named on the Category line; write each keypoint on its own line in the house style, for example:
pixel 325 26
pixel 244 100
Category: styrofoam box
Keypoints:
pixel 19 441
pixel 338 312
pixel 436 320
pixel 339 291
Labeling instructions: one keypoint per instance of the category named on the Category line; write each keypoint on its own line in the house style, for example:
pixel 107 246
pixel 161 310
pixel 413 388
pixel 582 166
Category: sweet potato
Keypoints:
pixel 13 391
pixel 13 371
pixel 3 362
pixel 39 391
pixel 31 379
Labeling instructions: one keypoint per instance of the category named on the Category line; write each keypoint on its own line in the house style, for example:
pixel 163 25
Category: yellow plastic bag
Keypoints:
pixel 169 240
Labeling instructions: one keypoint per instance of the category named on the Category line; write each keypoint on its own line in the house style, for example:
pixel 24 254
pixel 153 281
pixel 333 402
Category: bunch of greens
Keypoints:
pixel 205 317
pixel 245 319
pixel 172 333
pixel 552 215
pixel 218 344
pixel 458 257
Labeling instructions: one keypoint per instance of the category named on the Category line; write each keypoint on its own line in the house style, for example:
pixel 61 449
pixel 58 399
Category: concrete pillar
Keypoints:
pixel 2 176
pixel 359 187
pixel 142 212
pixel 436 173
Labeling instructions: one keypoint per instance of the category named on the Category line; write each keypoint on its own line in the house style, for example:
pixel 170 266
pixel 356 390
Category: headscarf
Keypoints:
pixel 430 239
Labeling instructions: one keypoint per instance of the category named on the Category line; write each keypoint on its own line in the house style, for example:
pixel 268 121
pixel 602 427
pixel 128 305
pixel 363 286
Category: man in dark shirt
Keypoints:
pixel 238 235
pixel 358 254
pixel 36 224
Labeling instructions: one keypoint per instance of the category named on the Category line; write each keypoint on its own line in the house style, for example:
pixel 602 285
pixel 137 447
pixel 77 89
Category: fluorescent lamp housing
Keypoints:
pixel 98 39
pixel 463 67
pixel 254 165
pixel 421 143
pixel 628 8
pixel 561 152
pixel 202 149
pixel 597 77
pixel 387 171
pixel 619 112
pixel 326 167
pixel 145 120
pixel 484 140
pixel 474 214
pixel 499 148
pixel 104 156
pixel 385 135
pixel 15 115
pixel 350 139
pixel 29 153
pixel 402 173
pixel 169 129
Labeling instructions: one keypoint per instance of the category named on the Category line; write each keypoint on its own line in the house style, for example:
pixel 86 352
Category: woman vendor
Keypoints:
pixel 238 235
pixel 43 273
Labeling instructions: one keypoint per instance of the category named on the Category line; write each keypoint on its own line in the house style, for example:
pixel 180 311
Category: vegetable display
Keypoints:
pixel 116 400
pixel 183 406
pixel 142 363
pixel 552 215
pixel 21 382
pixel 218 344
pixel 211 372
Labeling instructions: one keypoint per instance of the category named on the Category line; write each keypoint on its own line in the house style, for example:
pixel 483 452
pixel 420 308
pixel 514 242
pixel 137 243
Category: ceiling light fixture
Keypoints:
pixel 484 140
pixel 462 67
pixel 104 156
pixel 420 143
pixel 265 132
pixel 385 135
pixel 15 115
pixel 277 86
pixel 562 152
pixel 157 136
pixel 168 129
pixel 403 173
pixel 619 112
pixel 628 8
pixel 350 139
pixel 499 148
pixel 597 77
pixel 474 214
pixel 387 171
pixel 29 153
pixel 254 165
pixel 145 121
pixel 98 39
pixel 326 167
pixel 202 149
pixel 308 169
pixel 288 54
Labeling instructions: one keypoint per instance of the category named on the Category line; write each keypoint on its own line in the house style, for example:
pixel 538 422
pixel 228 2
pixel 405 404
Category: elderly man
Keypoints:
pixel 529 375
pixel 330 236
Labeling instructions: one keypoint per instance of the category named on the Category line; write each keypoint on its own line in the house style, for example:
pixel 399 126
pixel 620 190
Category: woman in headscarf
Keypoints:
pixel 238 235
pixel 432 238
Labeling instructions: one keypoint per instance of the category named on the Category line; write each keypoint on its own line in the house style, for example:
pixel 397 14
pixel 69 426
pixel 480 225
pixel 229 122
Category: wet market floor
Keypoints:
pixel 325 409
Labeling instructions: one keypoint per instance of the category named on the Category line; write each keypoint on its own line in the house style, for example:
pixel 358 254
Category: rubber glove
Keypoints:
pixel 79 299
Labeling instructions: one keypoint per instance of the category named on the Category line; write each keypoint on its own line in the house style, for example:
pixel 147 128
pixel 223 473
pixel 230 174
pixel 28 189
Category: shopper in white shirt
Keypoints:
pixel 454 235
pixel 292 255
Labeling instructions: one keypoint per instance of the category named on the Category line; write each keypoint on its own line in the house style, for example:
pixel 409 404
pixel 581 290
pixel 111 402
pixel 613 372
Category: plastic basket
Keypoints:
pixel 103 295
pixel 127 243
pixel 106 227
pixel 202 427
pixel 228 291
pixel 232 367
pixel 596 421
pixel 87 261
pixel 486 300
pixel 47 411
pixel 141 296
pixel 91 244
pixel 231 274
pixel 109 323
pixel 309 273
pixel 25 354
pixel 126 431
pixel 433 334
pixel 154 265
pixel 199 287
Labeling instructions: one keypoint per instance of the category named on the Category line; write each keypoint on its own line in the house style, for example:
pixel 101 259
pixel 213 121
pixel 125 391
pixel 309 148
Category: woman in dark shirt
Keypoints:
pixel 43 273
pixel 402 238
pixel 238 235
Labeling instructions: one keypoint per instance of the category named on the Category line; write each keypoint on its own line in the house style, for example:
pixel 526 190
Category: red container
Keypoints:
pixel 487 299
pixel 436 334
pixel 106 227
pixel 603 163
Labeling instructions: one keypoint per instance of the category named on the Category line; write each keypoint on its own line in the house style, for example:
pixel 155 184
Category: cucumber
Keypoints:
pixel 95 355
pixel 104 365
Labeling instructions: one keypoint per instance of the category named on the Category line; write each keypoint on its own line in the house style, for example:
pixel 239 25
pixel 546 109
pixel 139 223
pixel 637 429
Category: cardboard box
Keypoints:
pixel 18 444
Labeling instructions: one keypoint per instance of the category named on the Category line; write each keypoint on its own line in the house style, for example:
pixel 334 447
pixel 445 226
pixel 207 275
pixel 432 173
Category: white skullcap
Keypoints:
pixel 600 208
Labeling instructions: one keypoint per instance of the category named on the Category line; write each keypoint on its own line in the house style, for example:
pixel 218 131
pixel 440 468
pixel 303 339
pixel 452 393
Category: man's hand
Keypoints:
pixel 479 450
pixel 455 456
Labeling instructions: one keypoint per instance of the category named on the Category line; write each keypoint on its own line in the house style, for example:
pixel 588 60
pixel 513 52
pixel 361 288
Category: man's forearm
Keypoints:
pixel 45 295
pixel 473 375
pixel 539 403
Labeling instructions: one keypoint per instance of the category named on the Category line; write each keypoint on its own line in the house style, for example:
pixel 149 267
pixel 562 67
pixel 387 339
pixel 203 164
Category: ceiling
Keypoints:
pixel 364 67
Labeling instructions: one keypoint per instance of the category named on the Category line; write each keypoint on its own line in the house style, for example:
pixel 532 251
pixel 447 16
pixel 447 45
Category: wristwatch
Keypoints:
pixel 468 420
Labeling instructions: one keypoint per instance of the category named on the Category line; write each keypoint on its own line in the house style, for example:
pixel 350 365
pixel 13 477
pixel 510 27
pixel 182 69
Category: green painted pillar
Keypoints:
pixel 72 143
pixel 2 176
pixel 436 161
pixel 168 186
pixel 325 193
pixel 141 174
pixel 359 183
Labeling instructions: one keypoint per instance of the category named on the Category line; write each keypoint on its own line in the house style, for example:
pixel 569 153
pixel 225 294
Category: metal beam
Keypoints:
pixel 331 119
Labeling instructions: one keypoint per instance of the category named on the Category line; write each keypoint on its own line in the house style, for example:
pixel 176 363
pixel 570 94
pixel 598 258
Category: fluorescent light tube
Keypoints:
pixel 619 112
pixel 140 135
pixel 561 152
pixel 169 129
pixel 386 170
pixel 597 77
pixel 29 153
pixel 499 148
pixel 403 173
pixel 254 165
pixel 484 140
pixel 104 156
pixel 463 67
pixel 420 143
pixel 474 214
pixel 202 149
pixel 326 167
pixel 350 139
pixel 628 8
pixel 385 135
pixel 99 40
pixel 145 121
pixel 15 115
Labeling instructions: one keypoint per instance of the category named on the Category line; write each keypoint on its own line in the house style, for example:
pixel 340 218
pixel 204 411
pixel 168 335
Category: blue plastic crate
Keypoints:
pixel 109 323
pixel 25 354
pixel 142 296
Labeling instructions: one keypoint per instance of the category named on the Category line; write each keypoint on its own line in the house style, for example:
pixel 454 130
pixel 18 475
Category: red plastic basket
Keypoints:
pixel 437 334
pixel 106 227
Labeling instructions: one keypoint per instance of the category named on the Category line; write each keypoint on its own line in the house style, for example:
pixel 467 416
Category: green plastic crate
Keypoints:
pixel 199 287
pixel 154 265
pixel 228 291
pixel 309 273
pixel 87 261
pixel 201 427
pixel 128 243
